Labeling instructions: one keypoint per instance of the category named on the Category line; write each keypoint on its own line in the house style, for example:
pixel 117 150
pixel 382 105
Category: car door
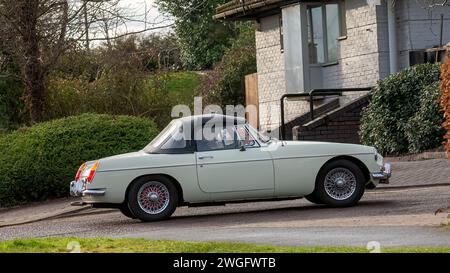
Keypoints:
pixel 234 168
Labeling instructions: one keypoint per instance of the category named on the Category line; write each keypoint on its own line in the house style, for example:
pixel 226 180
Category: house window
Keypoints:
pixel 326 26
pixel 281 33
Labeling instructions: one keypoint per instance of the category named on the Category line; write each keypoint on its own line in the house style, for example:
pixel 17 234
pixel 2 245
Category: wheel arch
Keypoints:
pixel 171 178
pixel 352 159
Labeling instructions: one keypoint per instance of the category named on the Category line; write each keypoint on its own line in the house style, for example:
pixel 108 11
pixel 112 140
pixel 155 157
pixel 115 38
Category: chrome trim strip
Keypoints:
pixel 316 156
pixel 146 168
pixel 94 193
pixel 234 162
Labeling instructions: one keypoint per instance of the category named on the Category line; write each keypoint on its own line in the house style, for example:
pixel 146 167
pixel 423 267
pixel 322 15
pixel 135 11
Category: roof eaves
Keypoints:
pixel 240 8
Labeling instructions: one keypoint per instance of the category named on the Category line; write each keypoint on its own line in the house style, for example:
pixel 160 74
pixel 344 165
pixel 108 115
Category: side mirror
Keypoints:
pixel 243 149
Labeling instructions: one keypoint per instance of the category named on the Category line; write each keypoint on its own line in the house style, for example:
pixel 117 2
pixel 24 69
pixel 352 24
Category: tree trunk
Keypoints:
pixel 34 72
pixel 35 92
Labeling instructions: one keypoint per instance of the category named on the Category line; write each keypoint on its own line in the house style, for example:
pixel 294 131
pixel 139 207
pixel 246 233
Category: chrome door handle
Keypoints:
pixel 206 157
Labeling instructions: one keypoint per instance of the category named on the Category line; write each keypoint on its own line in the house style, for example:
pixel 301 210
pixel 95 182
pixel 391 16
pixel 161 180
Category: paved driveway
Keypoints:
pixel 392 217
pixel 426 172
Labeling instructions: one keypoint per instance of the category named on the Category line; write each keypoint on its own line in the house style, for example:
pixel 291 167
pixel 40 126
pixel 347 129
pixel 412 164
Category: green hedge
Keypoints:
pixel 404 116
pixel 424 130
pixel 12 112
pixel 39 162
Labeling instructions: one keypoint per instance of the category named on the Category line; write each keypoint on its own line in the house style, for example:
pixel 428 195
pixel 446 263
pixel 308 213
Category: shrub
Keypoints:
pixel 12 110
pixel 424 130
pixel 109 80
pixel 395 103
pixel 226 84
pixel 117 92
pixel 38 163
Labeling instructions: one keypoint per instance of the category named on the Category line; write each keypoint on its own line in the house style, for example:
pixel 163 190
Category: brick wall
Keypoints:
pixel 270 64
pixel 419 28
pixel 358 63
pixel 341 125
pixel 329 106
pixel 363 56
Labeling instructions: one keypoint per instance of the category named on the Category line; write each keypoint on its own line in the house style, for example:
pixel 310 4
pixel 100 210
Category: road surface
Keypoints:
pixel 392 217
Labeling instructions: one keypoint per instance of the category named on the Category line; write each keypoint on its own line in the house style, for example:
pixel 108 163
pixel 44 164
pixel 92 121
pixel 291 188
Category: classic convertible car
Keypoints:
pixel 215 159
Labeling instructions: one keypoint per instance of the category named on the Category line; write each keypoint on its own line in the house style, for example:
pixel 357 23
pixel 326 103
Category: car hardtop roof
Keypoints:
pixel 211 118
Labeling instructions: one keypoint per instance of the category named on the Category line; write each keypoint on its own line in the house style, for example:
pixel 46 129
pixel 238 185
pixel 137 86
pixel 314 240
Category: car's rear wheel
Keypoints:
pixel 125 210
pixel 313 199
pixel 340 184
pixel 153 198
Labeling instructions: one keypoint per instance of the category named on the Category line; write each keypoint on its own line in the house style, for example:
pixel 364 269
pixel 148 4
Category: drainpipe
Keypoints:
pixel 392 30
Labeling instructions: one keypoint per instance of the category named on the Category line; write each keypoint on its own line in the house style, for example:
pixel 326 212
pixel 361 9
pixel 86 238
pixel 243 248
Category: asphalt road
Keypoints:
pixel 394 218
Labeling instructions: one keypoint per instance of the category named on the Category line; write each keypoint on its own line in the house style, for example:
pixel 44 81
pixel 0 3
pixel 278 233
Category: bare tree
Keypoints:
pixel 39 31
pixel 428 4
pixel 36 33
pixel 108 20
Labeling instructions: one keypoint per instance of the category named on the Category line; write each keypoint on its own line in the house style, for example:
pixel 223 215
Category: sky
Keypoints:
pixel 154 17
pixel 137 8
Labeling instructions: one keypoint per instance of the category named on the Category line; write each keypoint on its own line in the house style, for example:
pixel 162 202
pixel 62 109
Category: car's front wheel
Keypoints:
pixel 153 198
pixel 340 184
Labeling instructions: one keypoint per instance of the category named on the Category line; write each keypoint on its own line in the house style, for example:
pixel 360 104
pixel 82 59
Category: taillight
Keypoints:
pixel 92 172
pixel 80 170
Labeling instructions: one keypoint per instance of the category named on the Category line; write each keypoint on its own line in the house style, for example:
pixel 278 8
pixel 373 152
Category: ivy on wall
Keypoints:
pixel 445 101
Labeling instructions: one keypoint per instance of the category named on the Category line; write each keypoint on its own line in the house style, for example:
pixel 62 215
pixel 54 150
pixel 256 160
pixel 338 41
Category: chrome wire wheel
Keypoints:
pixel 340 184
pixel 153 197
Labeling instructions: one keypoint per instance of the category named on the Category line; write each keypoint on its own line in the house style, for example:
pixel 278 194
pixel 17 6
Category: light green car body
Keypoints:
pixel 282 169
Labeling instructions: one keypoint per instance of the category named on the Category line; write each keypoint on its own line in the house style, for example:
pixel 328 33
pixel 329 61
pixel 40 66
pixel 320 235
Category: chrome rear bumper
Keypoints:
pixel 78 189
pixel 100 192
pixel 383 175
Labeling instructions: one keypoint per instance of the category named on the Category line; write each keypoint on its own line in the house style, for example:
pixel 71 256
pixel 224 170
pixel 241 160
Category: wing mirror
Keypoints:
pixel 242 145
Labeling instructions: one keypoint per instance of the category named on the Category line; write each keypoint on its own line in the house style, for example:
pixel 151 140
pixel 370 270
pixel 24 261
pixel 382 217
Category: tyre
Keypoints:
pixel 125 210
pixel 340 184
pixel 152 198
pixel 313 199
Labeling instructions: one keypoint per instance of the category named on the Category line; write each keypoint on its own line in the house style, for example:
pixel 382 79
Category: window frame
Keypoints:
pixel 280 22
pixel 245 126
pixel 215 150
pixel 342 28
pixel 258 144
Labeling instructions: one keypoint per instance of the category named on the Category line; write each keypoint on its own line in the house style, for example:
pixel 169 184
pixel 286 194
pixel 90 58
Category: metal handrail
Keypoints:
pixel 312 94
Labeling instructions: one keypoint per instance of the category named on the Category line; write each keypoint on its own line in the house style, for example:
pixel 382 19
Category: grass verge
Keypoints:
pixel 182 85
pixel 104 245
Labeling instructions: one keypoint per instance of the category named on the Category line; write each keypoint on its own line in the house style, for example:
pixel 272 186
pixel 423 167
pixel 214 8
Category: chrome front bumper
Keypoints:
pixel 383 175
pixel 78 189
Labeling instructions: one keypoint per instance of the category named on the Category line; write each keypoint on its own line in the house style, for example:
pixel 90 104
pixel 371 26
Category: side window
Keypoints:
pixel 218 139
pixel 245 138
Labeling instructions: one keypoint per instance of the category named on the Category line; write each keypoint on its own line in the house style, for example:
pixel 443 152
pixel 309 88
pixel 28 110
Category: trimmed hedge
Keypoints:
pixel 404 115
pixel 39 162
